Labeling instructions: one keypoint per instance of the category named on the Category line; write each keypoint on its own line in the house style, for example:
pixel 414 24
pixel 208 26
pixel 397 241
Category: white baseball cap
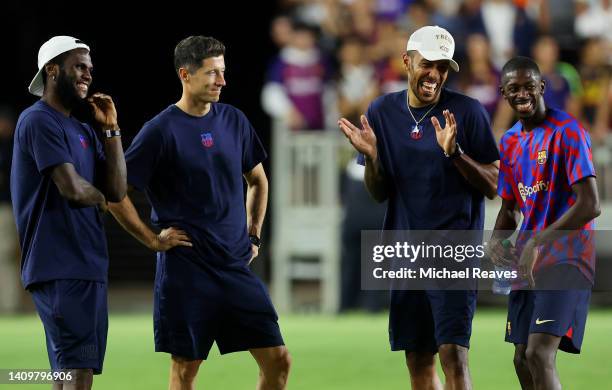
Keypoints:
pixel 434 43
pixel 48 51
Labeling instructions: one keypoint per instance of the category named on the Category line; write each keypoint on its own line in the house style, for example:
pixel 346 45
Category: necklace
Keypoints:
pixel 416 132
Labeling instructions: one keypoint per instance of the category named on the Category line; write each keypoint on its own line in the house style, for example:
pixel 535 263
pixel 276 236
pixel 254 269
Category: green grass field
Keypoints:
pixel 345 352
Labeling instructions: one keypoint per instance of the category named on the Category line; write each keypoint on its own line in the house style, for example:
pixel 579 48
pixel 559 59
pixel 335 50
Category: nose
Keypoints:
pixel 221 79
pixel 87 74
pixel 522 93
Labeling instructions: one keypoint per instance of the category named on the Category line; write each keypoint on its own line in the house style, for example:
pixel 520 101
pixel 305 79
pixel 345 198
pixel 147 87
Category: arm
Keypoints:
pixel 580 213
pixel 74 188
pixel 505 224
pixel 364 141
pixel 125 213
pixel 482 176
pixel 115 172
pixel 256 202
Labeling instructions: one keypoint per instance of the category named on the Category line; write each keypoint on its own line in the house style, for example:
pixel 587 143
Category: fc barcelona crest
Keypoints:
pixel 207 140
pixel 542 157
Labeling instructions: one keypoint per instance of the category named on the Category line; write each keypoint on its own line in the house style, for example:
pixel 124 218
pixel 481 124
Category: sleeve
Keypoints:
pixel 578 155
pixel 100 155
pixel 143 155
pixel 481 144
pixel 253 151
pixel 45 141
pixel 505 182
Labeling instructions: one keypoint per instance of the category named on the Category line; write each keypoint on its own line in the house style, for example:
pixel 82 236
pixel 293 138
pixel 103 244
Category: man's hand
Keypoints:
pixel 254 252
pixel 104 111
pixel 363 140
pixel 501 255
pixel 527 261
pixel 169 238
pixel 447 136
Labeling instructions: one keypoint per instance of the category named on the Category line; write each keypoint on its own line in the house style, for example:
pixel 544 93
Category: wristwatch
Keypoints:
pixel 458 152
pixel 112 133
pixel 255 240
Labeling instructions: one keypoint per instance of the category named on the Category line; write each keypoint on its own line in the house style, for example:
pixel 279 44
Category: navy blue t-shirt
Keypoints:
pixel 190 169
pixel 59 240
pixel 426 191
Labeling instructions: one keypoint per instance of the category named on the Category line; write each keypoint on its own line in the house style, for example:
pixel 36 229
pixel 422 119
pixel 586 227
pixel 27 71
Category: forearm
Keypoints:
pixel 125 213
pixel 256 204
pixel 506 222
pixel 74 188
pixel 581 213
pixel 115 180
pixel 375 180
pixel 481 176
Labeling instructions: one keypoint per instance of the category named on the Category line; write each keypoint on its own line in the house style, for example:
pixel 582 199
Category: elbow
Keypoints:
pixel 596 211
pixel 117 194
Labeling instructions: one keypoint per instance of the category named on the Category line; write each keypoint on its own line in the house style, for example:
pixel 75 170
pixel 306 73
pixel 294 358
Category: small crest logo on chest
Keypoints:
pixel 207 140
pixel 84 141
pixel 542 157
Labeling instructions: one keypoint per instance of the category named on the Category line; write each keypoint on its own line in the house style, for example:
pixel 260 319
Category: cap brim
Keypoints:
pixel 429 56
pixel 36 86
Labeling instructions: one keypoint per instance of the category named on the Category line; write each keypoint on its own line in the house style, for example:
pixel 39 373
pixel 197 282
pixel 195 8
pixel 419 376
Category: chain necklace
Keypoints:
pixel 416 132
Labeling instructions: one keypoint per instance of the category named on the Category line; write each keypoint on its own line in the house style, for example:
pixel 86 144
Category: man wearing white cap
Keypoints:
pixel 435 177
pixel 62 175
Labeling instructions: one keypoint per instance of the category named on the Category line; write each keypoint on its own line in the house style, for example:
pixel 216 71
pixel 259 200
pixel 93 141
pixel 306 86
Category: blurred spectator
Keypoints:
pixel 281 30
pixel 390 69
pixel 296 82
pixel 556 18
pixel 595 73
pixel 509 29
pixel 558 76
pixel 9 274
pixel 479 79
pixel 594 19
pixel 416 16
pixel 357 84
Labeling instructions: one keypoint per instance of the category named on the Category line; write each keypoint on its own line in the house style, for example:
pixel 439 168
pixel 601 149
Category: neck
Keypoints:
pixel 536 119
pixel 414 101
pixel 193 106
pixel 54 101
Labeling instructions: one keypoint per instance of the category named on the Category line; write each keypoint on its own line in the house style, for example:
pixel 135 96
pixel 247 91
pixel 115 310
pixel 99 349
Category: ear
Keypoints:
pixel 52 70
pixel 406 60
pixel 183 74
pixel 543 86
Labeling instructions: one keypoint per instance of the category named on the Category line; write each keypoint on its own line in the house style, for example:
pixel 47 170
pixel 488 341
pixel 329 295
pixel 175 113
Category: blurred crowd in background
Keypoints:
pixel 335 56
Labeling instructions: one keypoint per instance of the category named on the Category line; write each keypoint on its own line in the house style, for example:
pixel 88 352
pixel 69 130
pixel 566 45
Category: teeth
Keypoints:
pixel 429 87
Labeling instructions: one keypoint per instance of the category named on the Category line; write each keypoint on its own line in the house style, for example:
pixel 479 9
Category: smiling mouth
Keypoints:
pixel 82 86
pixel 524 106
pixel 429 87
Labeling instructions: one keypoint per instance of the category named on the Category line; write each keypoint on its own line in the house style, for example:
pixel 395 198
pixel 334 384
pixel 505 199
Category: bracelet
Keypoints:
pixel 255 240
pixel 112 133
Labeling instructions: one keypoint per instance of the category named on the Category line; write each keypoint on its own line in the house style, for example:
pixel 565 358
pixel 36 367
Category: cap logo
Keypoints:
pixel 444 37
pixel 444 48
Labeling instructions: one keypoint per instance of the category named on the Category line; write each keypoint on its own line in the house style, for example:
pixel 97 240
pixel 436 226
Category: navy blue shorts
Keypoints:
pixel 421 321
pixel 196 305
pixel 74 314
pixel 557 312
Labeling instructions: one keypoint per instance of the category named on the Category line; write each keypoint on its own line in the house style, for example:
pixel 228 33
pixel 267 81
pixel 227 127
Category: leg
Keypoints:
pixel 522 368
pixel 541 355
pixel 83 380
pixel 454 360
pixel 422 369
pixel 274 365
pixel 183 373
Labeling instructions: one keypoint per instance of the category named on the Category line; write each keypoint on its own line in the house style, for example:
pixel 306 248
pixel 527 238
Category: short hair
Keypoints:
pixel 59 60
pixel 191 51
pixel 517 63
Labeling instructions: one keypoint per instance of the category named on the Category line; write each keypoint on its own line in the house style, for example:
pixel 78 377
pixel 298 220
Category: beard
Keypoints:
pixel 67 93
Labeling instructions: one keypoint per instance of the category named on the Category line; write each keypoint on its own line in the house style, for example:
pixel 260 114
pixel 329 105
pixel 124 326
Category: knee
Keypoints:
pixel 539 357
pixel 421 364
pixel 453 358
pixel 282 362
pixel 185 370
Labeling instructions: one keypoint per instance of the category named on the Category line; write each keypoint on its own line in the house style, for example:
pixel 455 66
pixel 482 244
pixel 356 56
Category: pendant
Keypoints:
pixel 417 132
